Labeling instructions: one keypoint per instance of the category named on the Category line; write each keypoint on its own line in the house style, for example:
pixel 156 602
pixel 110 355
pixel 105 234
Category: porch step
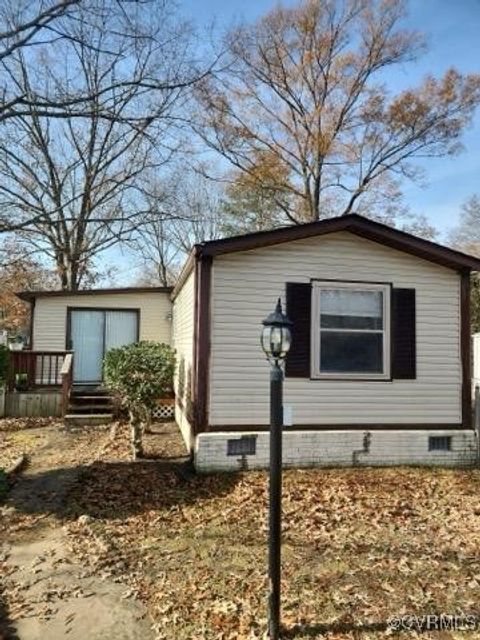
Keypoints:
pixel 95 398
pixel 87 407
pixel 106 401
pixel 87 419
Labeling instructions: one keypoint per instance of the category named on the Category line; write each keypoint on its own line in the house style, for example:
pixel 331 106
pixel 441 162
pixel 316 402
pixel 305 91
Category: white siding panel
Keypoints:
pixel 182 340
pixel 50 316
pixel 245 288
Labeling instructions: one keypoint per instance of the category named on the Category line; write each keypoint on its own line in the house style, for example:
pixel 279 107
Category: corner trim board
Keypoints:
pixel 203 282
pixel 465 349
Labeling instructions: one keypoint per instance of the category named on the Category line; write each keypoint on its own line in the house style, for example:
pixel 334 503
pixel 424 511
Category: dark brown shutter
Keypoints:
pixel 299 306
pixel 404 334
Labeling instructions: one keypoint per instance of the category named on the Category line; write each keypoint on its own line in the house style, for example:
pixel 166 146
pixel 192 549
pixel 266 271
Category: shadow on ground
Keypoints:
pixel 116 489
pixel 7 631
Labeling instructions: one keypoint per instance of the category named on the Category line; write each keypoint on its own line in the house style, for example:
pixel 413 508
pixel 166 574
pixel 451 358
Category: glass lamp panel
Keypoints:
pixel 287 340
pixel 266 346
pixel 276 341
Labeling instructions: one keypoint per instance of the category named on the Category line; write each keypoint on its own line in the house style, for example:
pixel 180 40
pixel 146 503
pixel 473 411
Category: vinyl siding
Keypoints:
pixel 244 290
pixel 182 340
pixel 50 316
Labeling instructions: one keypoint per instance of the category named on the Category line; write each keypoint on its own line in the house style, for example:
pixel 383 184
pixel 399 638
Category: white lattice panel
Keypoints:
pixel 163 412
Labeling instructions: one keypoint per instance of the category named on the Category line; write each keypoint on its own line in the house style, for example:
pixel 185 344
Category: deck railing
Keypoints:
pixel 67 381
pixel 30 369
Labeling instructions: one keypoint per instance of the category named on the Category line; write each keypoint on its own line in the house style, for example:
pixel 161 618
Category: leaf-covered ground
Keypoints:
pixel 360 545
pixel 18 436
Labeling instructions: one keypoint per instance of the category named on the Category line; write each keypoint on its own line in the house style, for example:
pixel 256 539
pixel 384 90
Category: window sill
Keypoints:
pixel 352 378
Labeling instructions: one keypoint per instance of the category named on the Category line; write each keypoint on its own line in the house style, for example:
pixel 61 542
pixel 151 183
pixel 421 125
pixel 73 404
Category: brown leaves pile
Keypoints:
pixel 360 545
pixel 7 425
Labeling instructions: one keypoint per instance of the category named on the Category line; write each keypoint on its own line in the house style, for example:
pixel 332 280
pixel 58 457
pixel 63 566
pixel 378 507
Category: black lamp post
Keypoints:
pixel 276 340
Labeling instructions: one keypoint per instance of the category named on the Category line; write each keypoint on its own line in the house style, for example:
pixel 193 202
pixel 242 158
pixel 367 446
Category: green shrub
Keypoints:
pixel 4 356
pixel 138 374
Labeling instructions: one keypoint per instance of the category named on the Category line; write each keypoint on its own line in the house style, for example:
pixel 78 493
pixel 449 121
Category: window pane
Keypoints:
pixel 351 352
pixel 350 322
pixel 351 309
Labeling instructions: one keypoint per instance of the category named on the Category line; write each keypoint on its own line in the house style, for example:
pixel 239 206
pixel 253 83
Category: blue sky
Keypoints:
pixel 452 28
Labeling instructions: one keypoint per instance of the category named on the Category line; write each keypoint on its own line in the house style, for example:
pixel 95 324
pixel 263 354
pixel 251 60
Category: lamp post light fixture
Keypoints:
pixel 276 340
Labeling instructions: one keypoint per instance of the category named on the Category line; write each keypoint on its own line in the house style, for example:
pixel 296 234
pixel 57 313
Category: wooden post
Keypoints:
pixel 477 420
pixel 67 381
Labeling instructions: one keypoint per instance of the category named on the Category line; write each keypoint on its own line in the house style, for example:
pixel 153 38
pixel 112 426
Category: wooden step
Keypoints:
pixel 90 402
pixel 87 419
pixel 87 408
pixel 95 397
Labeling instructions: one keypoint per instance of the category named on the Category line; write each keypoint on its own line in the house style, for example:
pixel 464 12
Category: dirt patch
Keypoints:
pixel 55 597
pixel 46 591
pixel 21 436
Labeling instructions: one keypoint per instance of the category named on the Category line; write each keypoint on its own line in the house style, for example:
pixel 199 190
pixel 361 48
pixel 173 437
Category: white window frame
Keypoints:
pixel 317 287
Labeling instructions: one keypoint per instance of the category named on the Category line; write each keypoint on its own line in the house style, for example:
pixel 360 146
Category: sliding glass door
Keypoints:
pixel 92 333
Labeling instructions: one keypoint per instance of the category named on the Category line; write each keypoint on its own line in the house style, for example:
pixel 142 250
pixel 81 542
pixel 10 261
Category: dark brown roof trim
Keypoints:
pixel 359 225
pixel 32 295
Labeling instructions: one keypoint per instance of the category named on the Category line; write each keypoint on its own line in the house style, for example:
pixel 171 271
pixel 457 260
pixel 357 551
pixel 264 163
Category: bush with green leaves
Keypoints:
pixel 138 375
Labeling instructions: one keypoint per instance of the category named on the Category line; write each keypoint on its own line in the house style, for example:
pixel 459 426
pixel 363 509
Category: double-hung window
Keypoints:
pixel 350 330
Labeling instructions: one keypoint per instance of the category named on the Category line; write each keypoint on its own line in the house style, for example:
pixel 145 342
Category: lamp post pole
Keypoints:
pixel 276 340
pixel 275 508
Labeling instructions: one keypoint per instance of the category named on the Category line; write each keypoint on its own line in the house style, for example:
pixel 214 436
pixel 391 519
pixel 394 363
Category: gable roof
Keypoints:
pixel 31 295
pixel 353 223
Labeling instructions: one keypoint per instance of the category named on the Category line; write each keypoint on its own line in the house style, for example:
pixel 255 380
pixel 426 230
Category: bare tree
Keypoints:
pixel 152 240
pixel 70 187
pixel 304 94
pixel 23 23
pixel 199 203
pixel 465 236
pixel 31 26
pixel 183 211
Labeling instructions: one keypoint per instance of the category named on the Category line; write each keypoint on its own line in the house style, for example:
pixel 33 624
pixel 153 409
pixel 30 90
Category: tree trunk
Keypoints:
pixel 147 426
pixel 136 437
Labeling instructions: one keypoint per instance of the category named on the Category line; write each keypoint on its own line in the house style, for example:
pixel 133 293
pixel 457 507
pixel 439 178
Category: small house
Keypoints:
pixel 379 370
pixel 70 333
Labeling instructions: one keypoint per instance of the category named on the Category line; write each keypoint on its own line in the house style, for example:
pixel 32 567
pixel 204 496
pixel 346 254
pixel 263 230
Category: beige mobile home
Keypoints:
pixel 378 371
pixel 379 368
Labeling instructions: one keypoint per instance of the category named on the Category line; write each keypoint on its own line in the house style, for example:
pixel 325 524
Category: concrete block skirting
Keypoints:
pixel 234 451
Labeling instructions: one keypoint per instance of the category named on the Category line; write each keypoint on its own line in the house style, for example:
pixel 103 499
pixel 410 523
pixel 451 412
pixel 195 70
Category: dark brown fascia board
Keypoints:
pixel 359 225
pixel 32 295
